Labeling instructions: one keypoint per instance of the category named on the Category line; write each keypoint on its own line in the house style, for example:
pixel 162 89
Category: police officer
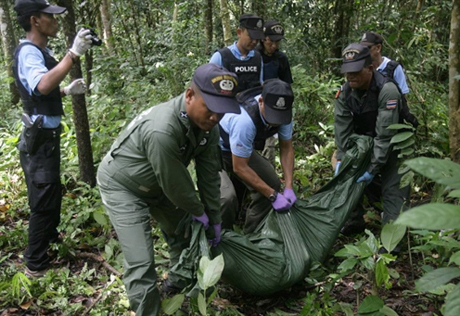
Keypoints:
pixel 382 64
pixel 145 175
pixel 240 57
pixel 276 63
pixel 264 112
pixel 366 105
pixel 38 76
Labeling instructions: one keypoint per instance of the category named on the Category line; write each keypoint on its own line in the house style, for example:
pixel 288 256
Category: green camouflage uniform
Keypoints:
pixel 145 175
pixel 384 160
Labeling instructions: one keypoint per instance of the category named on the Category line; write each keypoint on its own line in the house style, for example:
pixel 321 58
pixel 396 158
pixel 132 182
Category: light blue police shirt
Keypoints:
pixel 242 132
pixel 217 58
pixel 398 76
pixel 31 68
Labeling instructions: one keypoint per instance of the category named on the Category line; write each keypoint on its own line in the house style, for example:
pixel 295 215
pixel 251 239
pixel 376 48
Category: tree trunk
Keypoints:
pixel 208 22
pixel 107 23
pixel 8 43
pixel 226 25
pixel 80 114
pixel 454 82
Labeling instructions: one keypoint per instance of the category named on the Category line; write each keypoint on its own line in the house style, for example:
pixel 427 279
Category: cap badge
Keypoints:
pixel 227 85
pixel 259 24
pixel 278 29
pixel 364 39
pixel 280 104
pixel 350 54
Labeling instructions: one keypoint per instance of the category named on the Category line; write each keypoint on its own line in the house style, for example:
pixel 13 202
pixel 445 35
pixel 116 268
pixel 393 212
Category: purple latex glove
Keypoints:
pixel 217 230
pixel 203 219
pixel 290 195
pixel 281 203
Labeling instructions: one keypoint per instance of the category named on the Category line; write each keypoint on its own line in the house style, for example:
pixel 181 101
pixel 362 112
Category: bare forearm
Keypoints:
pixel 55 76
pixel 287 162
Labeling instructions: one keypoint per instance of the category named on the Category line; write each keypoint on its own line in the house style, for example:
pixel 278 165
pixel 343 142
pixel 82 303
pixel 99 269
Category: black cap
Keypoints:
pixel 274 30
pixel 354 57
pixel 278 99
pixel 254 24
pixel 371 38
pixel 27 7
pixel 218 88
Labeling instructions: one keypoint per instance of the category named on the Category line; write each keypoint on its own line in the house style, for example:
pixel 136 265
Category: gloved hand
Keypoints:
pixel 82 42
pixel 78 86
pixel 289 194
pixel 217 230
pixel 203 219
pixel 366 177
pixel 281 203
pixel 337 167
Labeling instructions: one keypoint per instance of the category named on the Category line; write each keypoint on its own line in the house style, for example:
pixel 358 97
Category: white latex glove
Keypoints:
pixel 78 86
pixel 82 42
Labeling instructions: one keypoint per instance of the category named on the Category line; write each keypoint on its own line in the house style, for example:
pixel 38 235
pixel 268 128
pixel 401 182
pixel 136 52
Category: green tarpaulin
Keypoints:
pixel 281 250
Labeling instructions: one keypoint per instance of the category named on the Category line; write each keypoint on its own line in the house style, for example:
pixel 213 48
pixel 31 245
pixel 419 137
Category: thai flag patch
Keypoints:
pixel 391 104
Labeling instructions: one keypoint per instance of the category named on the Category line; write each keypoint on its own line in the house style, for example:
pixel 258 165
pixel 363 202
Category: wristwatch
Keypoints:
pixel 272 197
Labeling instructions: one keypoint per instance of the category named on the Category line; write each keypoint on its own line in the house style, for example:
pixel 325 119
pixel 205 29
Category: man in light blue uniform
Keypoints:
pixel 240 57
pixel 38 76
pixel 382 64
pixel 264 111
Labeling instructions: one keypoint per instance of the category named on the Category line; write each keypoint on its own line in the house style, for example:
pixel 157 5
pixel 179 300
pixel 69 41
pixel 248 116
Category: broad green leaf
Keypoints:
pixel 406 152
pixel 433 216
pixel 202 304
pixel 353 250
pixel 348 264
pixel 400 126
pixel 454 194
pixel 388 311
pixel 407 143
pixel 370 304
pixel 212 270
pixel 400 137
pixel 170 306
pixel 452 307
pixel 406 179
pixel 443 289
pixel 368 263
pixel 441 171
pixel 342 253
pixel 435 278
pixel 371 242
pixel 381 273
pixel 365 250
pixel 455 258
pixel 100 218
pixel 391 235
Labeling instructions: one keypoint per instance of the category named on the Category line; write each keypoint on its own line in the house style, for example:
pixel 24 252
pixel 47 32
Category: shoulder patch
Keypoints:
pixel 338 92
pixel 391 104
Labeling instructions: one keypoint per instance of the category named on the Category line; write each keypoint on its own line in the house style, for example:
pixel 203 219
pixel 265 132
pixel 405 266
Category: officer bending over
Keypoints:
pixel 264 112
pixel 145 175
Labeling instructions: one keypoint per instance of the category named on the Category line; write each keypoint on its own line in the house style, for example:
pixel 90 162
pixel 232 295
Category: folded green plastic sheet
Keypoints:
pixel 280 252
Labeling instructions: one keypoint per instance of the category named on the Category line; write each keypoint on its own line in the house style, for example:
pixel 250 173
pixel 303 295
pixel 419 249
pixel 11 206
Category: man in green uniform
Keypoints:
pixel 367 104
pixel 145 175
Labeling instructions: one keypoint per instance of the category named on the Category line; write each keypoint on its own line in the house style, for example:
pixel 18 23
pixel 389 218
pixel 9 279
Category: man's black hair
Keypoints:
pixel 24 20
